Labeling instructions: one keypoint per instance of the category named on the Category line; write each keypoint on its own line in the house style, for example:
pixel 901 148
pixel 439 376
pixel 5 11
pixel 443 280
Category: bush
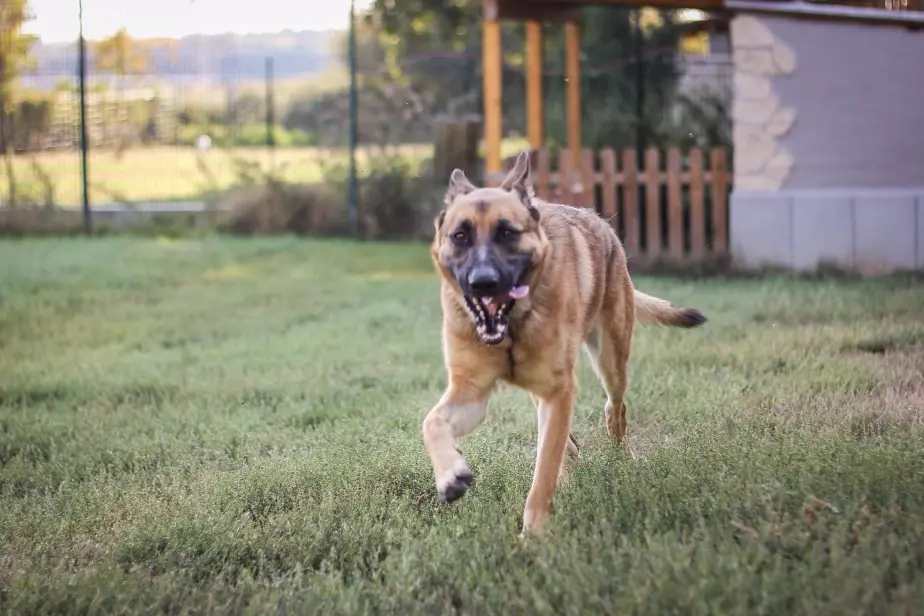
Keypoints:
pixel 22 221
pixel 249 135
pixel 395 202
pixel 255 135
pixel 395 195
pixel 388 113
pixel 279 207
pixel 30 121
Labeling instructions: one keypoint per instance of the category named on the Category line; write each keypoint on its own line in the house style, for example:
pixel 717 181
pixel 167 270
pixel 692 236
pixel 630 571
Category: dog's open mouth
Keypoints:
pixel 490 314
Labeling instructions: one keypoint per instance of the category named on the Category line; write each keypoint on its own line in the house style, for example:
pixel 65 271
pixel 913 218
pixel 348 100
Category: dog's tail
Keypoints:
pixel 650 309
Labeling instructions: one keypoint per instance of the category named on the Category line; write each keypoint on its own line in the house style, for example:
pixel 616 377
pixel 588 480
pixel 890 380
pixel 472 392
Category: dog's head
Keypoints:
pixel 488 242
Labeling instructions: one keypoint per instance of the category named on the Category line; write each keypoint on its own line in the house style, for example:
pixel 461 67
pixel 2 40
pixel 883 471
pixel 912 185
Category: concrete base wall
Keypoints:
pixel 866 230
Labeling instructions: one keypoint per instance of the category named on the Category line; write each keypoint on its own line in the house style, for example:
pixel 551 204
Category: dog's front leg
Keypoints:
pixel 554 427
pixel 458 412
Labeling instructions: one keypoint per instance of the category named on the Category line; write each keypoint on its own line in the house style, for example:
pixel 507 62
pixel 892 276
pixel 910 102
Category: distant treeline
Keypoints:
pixel 238 56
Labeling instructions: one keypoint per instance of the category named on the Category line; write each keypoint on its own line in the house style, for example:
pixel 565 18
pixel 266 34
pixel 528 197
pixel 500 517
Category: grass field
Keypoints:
pixel 175 173
pixel 233 426
pixel 166 173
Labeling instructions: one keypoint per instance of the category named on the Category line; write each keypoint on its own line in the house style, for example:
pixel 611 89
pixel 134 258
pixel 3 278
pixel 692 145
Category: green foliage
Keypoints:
pixel 14 57
pixel 437 55
pixel 14 47
pixel 248 135
pixel 396 194
pixel 247 108
pixel 121 54
pixel 389 114
pixel 200 114
pixel 233 426
pixel 395 200
pixel 274 206
pixel 30 120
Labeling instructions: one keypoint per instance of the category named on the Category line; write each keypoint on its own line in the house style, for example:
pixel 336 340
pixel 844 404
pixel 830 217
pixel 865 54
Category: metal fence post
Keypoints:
pixel 270 119
pixel 353 196
pixel 84 146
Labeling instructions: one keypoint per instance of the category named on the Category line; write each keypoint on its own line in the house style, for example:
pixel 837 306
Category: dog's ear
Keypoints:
pixel 458 185
pixel 519 174
pixel 516 181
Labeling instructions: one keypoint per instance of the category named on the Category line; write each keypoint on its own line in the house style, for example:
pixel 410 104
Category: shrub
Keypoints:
pixel 280 207
pixel 395 195
pixel 396 200
pixel 248 135
pixel 21 221
pixel 30 121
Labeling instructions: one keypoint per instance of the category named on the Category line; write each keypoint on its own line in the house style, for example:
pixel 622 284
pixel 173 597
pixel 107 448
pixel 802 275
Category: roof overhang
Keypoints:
pixel 564 10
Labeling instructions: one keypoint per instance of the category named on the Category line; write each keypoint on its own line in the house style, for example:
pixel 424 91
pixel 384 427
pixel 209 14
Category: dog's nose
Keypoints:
pixel 484 281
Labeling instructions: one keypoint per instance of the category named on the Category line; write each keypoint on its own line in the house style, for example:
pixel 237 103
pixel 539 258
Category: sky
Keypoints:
pixel 57 20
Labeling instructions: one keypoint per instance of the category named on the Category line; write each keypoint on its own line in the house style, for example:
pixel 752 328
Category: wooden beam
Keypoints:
pixel 559 10
pixel 534 115
pixel 491 63
pixel 573 79
pixel 544 12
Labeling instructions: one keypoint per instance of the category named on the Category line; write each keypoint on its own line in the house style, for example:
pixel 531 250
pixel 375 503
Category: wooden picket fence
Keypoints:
pixel 678 210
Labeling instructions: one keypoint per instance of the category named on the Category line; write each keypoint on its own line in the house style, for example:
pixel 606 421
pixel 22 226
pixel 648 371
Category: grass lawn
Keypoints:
pixel 165 173
pixel 175 173
pixel 233 426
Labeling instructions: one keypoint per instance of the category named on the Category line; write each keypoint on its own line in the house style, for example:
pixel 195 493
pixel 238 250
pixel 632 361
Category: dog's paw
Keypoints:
pixel 453 485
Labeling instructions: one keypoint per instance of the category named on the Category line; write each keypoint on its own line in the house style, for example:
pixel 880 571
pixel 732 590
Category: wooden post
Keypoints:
pixel 543 171
pixel 674 205
pixel 697 211
pixel 491 61
pixel 534 115
pixel 719 201
pixel 587 175
pixel 630 202
pixel 573 78
pixel 608 164
pixel 653 202
pixel 456 146
pixel 567 172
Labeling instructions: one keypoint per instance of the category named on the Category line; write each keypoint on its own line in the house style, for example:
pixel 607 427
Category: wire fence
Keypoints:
pixel 186 120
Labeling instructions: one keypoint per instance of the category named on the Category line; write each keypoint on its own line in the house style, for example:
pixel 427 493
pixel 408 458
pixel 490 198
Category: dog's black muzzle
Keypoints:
pixel 487 281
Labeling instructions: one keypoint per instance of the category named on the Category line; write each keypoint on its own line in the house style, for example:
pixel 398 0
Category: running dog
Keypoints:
pixel 524 285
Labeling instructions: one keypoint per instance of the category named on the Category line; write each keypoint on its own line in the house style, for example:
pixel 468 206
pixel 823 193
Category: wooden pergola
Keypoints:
pixel 535 13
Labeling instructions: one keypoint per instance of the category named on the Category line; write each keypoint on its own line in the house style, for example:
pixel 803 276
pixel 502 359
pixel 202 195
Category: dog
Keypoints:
pixel 524 284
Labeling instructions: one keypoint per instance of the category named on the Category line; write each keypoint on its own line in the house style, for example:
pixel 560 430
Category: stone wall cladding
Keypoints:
pixel 761 163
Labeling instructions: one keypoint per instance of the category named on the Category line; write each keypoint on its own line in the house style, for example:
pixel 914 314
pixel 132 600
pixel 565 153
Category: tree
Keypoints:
pixel 121 55
pixel 435 48
pixel 14 57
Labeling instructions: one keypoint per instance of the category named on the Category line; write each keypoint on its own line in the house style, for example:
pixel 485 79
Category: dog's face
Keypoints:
pixel 488 241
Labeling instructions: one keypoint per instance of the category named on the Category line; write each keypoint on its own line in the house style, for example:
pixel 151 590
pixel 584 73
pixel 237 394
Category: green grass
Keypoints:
pixel 174 173
pixel 233 426
pixel 168 173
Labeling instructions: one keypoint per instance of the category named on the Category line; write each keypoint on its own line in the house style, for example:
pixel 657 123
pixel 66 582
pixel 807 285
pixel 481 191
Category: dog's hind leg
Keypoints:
pixel 458 413
pixel 608 348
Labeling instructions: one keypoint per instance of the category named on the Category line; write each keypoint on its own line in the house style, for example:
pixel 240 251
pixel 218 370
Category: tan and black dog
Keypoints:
pixel 524 284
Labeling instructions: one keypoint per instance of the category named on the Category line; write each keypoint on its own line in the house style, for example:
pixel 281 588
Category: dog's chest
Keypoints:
pixel 527 368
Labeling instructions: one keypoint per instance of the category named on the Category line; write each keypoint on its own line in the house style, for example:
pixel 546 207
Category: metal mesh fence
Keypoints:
pixel 185 120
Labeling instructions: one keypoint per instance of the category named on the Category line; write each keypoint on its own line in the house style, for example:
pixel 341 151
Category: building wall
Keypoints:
pixel 829 143
pixel 859 93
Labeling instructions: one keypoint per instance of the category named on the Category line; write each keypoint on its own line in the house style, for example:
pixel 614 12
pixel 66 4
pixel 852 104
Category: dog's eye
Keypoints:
pixel 507 233
pixel 460 237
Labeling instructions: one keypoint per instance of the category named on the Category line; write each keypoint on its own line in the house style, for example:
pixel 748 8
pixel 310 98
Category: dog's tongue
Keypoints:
pixel 493 303
pixel 519 292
